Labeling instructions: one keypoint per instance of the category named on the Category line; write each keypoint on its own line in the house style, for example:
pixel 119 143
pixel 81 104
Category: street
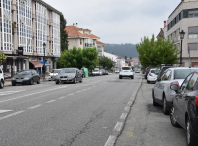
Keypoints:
pixel 83 114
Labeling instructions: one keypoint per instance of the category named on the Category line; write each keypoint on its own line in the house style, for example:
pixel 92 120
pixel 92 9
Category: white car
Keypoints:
pixel 126 72
pixel 97 72
pixel 1 78
pixel 152 75
pixel 53 74
pixel 117 71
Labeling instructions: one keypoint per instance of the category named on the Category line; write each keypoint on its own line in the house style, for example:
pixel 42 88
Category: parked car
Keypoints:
pixel 137 70
pixel 69 75
pixel 97 72
pixel 1 79
pixel 26 77
pixel 152 75
pixel 161 92
pixel 53 74
pixel 82 73
pixel 103 71
pixel 106 72
pixel 117 71
pixel 147 71
pixel 161 72
pixel 184 111
pixel 126 72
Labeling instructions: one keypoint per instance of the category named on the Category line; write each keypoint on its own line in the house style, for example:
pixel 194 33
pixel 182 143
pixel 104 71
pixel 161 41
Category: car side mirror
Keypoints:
pixel 175 86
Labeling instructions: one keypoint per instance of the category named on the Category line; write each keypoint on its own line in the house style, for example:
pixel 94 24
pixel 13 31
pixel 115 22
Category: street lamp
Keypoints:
pixel 182 33
pixel 44 47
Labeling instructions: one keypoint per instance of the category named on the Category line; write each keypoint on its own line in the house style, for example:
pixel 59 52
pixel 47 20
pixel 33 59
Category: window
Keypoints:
pixel 192 82
pixel 193 32
pixel 193 46
pixel 184 85
pixel 74 40
pixel 193 14
pixel 166 76
pixel 80 41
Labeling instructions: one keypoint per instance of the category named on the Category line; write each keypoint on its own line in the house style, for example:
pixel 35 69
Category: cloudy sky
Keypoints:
pixel 117 21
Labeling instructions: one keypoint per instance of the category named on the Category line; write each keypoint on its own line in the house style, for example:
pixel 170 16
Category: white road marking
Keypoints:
pixel 127 108
pixel 36 106
pixel 118 126
pixel 50 101
pixel 123 116
pixel 5 111
pixel 129 103
pixel 61 97
pixel 78 91
pixel 10 115
pixel 71 94
pixel 110 141
pixel 9 92
pixel 31 94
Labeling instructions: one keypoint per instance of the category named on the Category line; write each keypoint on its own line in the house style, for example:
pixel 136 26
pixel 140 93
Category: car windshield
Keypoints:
pixel 56 71
pixel 26 72
pixel 155 72
pixel 182 73
pixel 96 70
pixel 68 70
pixel 126 68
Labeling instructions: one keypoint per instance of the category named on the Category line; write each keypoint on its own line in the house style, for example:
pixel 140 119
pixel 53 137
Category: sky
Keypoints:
pixel 117 21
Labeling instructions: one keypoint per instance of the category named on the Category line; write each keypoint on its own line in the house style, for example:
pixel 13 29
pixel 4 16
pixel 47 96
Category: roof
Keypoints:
pixel 129 60
pixel 100 43
pixel 175 8
pixel 73 31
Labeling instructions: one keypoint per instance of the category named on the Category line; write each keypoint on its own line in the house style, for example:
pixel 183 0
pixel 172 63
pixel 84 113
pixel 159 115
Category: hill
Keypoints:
pixel 122 50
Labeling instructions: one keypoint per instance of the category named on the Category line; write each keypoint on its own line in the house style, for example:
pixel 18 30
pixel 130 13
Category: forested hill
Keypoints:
pixel 122 50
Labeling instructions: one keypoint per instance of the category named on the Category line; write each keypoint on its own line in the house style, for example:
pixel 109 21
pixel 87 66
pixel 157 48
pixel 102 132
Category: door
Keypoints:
pixel 180 100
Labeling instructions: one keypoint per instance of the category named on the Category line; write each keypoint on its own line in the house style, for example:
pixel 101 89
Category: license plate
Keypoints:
pixel 19 80
pixel 63 79
pixel 125 71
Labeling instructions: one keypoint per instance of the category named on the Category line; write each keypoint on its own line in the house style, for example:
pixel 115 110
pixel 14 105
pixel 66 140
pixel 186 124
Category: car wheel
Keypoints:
pixel 154 103
pixel 74 80
pixel 1 84
pixel 120 77
pixel 57 82
pixel 166 112
pixel 38 82
pixel 191 140
pixel 81 80
pixel 172 118
pixel 132 77
pixel 148 81
pixel 31 82
pixel 13 84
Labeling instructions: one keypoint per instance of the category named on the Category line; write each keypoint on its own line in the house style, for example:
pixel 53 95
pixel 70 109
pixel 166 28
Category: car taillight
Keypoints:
pixel 131 70
pixel 196 100
pixel 150 74
pixel 120 70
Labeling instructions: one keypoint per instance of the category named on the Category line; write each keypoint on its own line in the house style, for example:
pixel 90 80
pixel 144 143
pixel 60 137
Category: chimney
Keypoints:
pixel 164 24
pixel 160 29
pixel 76 24
pixel 73 24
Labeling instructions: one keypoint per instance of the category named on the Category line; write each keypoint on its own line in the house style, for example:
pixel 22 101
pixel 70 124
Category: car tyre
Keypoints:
pixel 1 84
pixel 173 119
pixel 154 103
pixel 120 77
pixel 74 80
pixel 57 82
pixel 38 82
pixel 132 77
pixel 191 140
pixel 13 84
pixel 165 110
pixel 148 81
pixel 81 80
pixel 31 82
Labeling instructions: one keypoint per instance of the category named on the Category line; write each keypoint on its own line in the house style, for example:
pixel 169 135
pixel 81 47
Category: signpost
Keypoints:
pixel 189 56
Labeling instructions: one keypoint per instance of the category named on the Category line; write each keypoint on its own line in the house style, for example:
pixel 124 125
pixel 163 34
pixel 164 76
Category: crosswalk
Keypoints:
pixel 9 92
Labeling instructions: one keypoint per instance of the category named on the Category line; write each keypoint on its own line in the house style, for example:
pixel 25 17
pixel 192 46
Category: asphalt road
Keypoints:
pixel 82 114
pixel 146 125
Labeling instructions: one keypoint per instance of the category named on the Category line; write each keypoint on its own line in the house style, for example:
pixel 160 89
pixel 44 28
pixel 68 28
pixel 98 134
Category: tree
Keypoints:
pixel 2 58
pixel 90 58
pixel 155 53
pixel 129 63
pixel 105 62
pixel 63 33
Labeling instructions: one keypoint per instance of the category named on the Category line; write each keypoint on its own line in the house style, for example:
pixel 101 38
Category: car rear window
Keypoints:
pixel 155 72
pixel 182 73
pixel 126 68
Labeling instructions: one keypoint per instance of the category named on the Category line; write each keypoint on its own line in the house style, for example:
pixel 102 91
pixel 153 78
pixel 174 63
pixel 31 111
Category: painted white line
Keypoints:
pixel 5 111
pixel 84 89
pixel 36 106
pixel 130 103
pixel 110 141
pixel 93 86
pixel 127 108
pixel 78 91
pixel 123 116
pixel 31 94
pixel 10 115
pixel 61 97
pixel 118 126
pixel 70 94
pixel 50 101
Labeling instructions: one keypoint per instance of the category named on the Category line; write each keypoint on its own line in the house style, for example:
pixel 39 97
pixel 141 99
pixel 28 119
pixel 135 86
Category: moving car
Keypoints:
pixel 117 71
pixel 53 74
pixel 69 75
pixel 26 77
pixel 126 72
pixel 161 92
pixel 152 75
pixel 137 70
pixel 1 79
pixel 184 111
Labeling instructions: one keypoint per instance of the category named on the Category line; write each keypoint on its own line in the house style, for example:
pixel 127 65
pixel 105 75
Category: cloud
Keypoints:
pixel 117 21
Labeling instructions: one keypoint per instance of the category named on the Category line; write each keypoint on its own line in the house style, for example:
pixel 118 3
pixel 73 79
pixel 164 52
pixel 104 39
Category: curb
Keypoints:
pixel 122 121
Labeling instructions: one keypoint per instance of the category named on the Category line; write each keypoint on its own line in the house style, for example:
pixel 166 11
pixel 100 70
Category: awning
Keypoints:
pixel 46 64
pixel 36 64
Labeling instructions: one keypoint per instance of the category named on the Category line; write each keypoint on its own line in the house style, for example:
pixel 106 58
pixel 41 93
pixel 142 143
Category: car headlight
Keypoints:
pixel 13 78
pixel 26 78
pixel 70 76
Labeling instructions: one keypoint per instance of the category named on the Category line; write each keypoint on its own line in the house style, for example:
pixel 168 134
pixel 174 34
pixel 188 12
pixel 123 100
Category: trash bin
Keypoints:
pixel 86 72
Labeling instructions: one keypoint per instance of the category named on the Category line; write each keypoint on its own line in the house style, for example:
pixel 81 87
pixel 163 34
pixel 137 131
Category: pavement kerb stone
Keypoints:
pixel 116 134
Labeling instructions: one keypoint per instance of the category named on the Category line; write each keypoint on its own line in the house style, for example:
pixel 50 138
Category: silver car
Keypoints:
pixel 161 91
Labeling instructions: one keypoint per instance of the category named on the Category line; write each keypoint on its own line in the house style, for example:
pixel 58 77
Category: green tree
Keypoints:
pixel 155 53
pixel 90 58
pixel 63 33
pixel 129 63
pixel 105 62
pixel 2 57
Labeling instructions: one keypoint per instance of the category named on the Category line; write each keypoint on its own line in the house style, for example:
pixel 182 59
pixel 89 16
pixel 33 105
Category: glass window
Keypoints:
pixel 184 84
pixel 182 73
pixel 193 46
pixel 192 82
pixel 167 75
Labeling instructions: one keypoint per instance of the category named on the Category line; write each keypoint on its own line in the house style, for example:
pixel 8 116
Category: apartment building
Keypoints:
pixel 25 26
pixel 185 17
pixel 163 32
pixel 100 48
pixel 80 38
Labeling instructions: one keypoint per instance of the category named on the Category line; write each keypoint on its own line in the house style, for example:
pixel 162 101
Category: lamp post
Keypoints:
pixel 182 33
pixel 44 46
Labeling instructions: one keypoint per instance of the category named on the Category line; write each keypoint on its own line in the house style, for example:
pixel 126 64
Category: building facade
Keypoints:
pixel 100 48
pixel 80 38
pixel 185 17
pixel 25 26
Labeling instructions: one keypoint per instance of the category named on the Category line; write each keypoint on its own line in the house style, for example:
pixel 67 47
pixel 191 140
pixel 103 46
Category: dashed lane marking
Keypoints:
pixel 118 126
pixel 110 141
pixel 4 111
pixel 123 116
pixel 50 101
pixel 36 106
pixel 10 115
